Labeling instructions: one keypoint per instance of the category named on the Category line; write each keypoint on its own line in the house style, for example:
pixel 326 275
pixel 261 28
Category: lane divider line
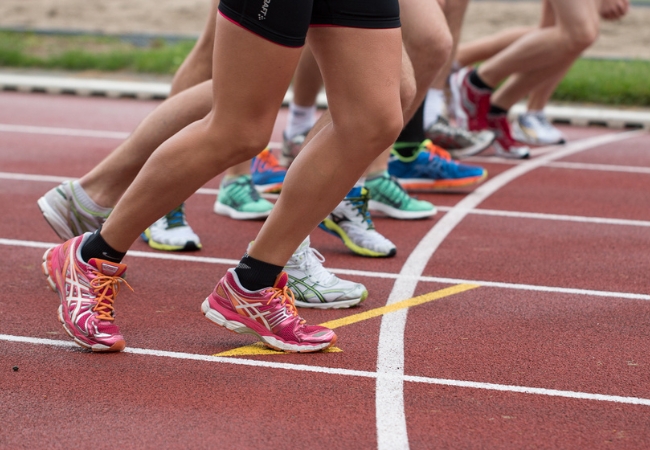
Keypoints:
pixel 389 399
pixel 361 273
pixel 577 395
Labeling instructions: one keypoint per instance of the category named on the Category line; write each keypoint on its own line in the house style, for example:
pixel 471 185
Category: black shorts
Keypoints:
pixel 286 22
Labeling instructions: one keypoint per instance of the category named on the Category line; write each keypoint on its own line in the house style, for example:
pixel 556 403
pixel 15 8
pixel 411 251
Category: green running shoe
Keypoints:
pixel 389 197
pixel 239 200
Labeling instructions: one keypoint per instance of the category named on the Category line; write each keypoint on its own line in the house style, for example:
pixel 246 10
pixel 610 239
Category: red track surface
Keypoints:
pixel 518 362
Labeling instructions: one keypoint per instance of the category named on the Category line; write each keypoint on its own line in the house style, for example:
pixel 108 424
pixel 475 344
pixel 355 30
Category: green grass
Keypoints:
pixel 109 54
pixel 610 82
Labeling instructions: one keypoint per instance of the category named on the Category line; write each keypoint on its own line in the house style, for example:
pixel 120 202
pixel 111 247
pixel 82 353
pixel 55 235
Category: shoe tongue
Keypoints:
pixel 281 281
pixel 107 267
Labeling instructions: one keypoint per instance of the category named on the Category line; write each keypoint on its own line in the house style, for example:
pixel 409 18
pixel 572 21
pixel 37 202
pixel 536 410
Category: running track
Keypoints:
pixel 518 317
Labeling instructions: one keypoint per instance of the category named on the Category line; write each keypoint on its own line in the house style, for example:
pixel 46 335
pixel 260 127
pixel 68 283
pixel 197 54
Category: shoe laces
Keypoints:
pixel 311 261
pixel 457 131
pixel 434 151
pixel 360 204
pixel 392 190
pixel 268 162
pixel 106 289
pixel 243 190
pixel 287 300
pixel 176 217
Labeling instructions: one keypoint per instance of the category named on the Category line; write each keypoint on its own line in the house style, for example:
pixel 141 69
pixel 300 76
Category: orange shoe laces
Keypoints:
pixel 435 150
pixel 269 161
pixel 288 300
pixel 107 287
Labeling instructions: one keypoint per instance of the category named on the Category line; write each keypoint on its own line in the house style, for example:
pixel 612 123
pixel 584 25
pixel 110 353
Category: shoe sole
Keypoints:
pixel 332 228
pixel 225 210
pixel 274 343
pixel 118 346
pixel 338 304
pixel 188 247
pixel 53 218
pixel 397 213
pixel 470 151
pixel 415 184
pixel 273 188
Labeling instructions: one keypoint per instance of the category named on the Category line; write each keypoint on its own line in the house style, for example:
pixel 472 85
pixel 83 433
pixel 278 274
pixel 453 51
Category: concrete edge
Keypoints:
pixel 572 115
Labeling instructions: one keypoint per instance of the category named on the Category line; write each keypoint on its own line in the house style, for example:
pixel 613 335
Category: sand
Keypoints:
pixel 627 38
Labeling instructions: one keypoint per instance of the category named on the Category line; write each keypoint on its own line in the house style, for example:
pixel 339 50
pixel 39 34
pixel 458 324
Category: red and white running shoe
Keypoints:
pixel 505 144
pixel 87 292
pixel 269 314
pixel 470 104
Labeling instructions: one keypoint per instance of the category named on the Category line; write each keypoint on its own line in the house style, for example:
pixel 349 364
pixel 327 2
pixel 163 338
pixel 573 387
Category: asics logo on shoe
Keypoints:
pixel 269 319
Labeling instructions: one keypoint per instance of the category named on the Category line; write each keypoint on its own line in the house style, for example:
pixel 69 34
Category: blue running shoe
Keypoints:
pixel 432 168
pixel 268 175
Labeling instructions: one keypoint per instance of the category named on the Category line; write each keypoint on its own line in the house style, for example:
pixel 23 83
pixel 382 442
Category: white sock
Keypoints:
pixel 301 119
pixel 84 199
pixel 434 105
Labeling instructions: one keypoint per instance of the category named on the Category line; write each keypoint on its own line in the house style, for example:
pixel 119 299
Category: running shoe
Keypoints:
pixel 63 210
pixel 87 292
pixel 269 314
pixel 172 233
pixel 505 144
pixel 470 104
pixel 533 128
pixel 316 287
pixel 268 175
pixel 432 168
pixel 239 200
pixel 351 222
pixel 389 197
pixel 459 142
pixel 291 148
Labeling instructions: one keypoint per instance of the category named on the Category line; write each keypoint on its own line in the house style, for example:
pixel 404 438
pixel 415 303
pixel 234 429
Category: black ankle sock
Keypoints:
pixel 409 140
pixel 497 110
pixel 254 274
pixel 96 247
pixel 477 81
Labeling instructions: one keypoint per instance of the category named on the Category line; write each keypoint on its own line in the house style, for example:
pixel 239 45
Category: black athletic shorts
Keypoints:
pixel 286 22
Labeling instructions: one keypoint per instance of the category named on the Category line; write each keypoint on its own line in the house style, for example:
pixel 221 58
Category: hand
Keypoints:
pixel 614 9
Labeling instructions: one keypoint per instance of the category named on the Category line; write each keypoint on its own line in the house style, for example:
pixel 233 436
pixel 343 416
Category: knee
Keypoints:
pixel 581 37
pixel 429 52
pixel 238 142
pixel 379 129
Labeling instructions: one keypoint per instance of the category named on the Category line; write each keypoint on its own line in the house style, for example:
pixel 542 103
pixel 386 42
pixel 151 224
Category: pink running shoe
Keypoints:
pixel 87 292
pixel 505 144
pixel 471 104
pixel 269 314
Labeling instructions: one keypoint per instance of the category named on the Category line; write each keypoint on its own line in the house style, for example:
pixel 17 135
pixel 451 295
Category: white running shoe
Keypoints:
pixel 351 222
pixel 172 233
pixel 533 128
pixel 315 287
pixel 291 148
pixel 68 217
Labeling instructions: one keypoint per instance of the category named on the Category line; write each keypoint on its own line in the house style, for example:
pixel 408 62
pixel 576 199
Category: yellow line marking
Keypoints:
pixel 260 349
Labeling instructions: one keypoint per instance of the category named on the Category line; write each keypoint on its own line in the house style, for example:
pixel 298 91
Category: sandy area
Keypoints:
pixel 628 38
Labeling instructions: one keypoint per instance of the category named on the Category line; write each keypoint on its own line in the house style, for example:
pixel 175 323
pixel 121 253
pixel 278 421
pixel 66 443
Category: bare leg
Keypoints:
pixel 363 97
pixel 244 109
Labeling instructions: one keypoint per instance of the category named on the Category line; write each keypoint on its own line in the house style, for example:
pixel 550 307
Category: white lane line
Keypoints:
pixel 363 273
pixel 389 400
pixel 556 217
pixel 346 372
pixel 77 132
pixel 601 167
pixel 485 212
pixel 7 128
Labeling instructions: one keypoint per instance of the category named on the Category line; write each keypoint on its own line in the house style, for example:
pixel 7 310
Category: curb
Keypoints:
pixel 572 115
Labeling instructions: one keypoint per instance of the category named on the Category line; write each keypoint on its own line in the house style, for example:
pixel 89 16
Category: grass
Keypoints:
pixel 600 81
